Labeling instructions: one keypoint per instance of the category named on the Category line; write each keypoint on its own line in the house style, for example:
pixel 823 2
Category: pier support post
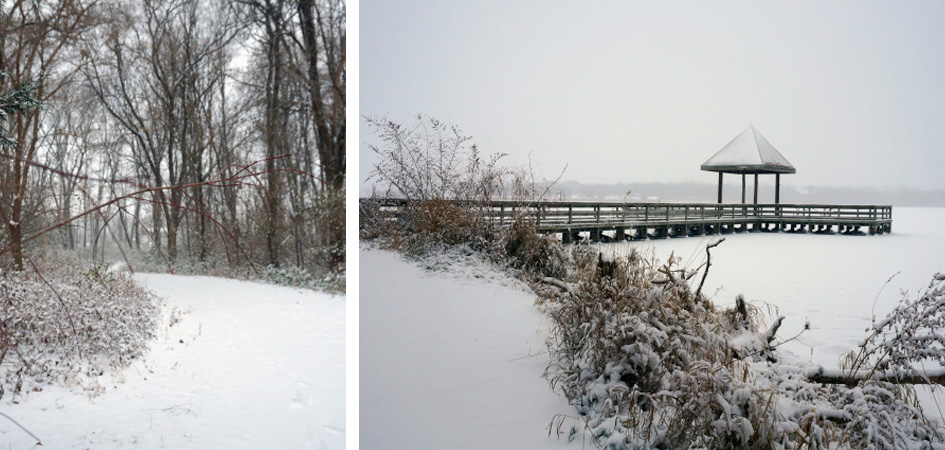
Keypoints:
pixel 777 188
pixel 620 235
pixel 566 237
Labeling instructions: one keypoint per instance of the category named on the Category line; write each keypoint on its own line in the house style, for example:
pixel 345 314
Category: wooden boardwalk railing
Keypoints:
pixel 655 220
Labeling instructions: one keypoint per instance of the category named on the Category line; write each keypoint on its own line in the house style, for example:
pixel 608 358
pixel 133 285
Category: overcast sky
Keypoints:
pixel 852 94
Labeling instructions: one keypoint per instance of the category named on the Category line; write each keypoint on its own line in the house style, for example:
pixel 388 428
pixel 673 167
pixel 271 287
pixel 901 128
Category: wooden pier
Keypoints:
pixel 621 221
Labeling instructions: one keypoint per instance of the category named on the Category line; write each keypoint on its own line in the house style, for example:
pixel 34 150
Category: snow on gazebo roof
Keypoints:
pixel 749 152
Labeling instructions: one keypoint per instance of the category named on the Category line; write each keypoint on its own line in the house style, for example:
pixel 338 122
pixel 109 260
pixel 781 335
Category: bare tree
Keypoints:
pixel 323 37
pixel 168 93
pixel 34 41
pixel 158 82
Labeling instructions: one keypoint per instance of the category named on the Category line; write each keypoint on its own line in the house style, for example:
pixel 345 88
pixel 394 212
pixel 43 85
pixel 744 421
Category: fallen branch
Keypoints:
pixel 824 376
pixel 558 284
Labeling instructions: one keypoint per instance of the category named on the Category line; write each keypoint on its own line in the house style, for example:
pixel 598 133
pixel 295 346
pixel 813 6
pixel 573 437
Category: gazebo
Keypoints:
pixel 749 153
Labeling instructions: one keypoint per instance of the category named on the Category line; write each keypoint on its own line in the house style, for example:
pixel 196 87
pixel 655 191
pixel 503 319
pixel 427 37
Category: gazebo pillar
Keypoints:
pixel 743 188
pixel 777 188
pixel 756 188
pixel 720 188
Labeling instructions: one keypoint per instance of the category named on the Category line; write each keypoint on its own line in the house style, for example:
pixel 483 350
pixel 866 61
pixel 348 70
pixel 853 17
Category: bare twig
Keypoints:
pixel 708 263
pixel 38 440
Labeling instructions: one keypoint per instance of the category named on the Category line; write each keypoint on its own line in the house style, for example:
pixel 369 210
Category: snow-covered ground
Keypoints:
pixel 235 365
pixel 451 359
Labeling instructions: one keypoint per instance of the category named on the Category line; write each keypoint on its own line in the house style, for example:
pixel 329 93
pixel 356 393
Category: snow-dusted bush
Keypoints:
pixel 427 159
pixel 440 222
pixel 429 227
pixel 63 324
pixel 649 364
pixel 318 277
pixel 531 252
pixel 909 334
pixel 295 276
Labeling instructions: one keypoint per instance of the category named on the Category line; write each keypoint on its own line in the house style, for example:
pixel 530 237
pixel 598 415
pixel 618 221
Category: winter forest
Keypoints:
pixel 186 132
pixel 145 140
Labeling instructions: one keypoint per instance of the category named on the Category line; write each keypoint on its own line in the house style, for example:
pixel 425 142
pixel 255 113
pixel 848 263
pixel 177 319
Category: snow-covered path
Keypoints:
pixel 247 365
pixel 444 360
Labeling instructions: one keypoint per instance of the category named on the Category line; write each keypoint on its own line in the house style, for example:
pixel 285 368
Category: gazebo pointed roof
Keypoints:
pixel 749 152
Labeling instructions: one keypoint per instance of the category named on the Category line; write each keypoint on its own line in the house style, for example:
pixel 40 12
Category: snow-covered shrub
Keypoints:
pixel 531 252
pixel 288 276
pixel 63 324
pixel 295 276
pixel 328 278
pixel 644 359
pixel 908 335
pixel 440 222
pixel 428 159
pixel 429 227
pixel 649 364
pixel 873 414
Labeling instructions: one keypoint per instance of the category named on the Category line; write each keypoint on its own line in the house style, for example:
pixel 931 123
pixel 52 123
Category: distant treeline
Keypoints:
pixel 707 192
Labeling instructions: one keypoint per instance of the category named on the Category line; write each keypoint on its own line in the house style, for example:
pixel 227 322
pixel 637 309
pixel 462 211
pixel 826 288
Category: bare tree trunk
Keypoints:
pixel 134 226
pixel 70 235
pixel 172 242
pixel 156 215
pixel 328 113
pixel 275 124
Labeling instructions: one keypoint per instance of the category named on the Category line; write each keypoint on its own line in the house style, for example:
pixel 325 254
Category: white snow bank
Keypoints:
pixel 246 365
pixel 445 360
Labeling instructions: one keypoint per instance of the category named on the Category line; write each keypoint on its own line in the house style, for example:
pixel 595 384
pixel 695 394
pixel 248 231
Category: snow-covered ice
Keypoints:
pixel 236 365
pixel 445 360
